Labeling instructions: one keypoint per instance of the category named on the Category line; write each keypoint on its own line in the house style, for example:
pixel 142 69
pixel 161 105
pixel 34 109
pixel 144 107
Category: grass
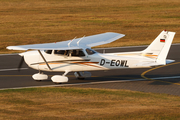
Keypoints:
pixel 81 103
pixel 44 21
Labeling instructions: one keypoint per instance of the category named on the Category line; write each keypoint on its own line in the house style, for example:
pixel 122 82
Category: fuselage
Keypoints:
pixel 76 56
pixel 82 60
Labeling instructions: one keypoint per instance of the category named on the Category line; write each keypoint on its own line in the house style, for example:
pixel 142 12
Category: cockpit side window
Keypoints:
pixel 48 51
pixel 78 53
pixel 90 51
pixel 61 52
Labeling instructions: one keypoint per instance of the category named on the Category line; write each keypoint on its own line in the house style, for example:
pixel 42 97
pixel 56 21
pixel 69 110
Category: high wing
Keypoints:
pixel 79 43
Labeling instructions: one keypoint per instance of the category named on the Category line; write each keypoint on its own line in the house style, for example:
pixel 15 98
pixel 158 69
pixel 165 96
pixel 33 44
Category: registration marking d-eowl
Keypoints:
pixel 113 62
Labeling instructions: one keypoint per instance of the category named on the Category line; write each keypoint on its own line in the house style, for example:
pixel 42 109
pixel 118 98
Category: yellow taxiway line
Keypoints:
pixel 143 74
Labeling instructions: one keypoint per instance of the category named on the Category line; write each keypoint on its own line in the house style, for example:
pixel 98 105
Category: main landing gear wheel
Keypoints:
pixel 59 79
pixel 82 75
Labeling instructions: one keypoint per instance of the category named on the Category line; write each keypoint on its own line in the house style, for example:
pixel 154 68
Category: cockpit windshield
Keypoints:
pixel 90 51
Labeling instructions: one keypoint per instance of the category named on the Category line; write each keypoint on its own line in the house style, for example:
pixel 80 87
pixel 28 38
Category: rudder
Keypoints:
pixel 159 48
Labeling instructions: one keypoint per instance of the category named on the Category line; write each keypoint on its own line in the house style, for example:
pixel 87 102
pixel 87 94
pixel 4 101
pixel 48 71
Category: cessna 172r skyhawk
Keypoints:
pixel 77 56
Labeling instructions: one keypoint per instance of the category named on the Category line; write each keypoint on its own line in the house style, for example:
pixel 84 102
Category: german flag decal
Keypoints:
pixel 162 40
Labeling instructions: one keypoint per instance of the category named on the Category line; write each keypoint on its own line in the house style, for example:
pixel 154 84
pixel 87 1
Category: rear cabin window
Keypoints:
pixel 78 53
pixel 48 51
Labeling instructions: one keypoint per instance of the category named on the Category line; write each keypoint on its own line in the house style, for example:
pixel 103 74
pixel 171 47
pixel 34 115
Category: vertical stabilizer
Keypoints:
pixel 159 48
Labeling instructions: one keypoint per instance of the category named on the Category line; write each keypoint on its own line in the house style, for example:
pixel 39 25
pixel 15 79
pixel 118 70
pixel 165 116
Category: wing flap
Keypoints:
pixel 101 39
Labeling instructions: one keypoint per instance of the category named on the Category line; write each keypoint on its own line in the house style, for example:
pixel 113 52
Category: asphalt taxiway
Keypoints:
pixel 164 79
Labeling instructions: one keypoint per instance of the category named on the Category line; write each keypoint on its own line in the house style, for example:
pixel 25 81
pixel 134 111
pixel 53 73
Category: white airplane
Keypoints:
pixel 77 56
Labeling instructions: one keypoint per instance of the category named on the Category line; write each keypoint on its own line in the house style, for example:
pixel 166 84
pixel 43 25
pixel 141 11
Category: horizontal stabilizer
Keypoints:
pixel 148 64
pixel 153 64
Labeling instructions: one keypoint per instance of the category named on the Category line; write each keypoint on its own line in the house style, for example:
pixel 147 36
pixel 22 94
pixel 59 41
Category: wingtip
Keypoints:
pixel 14 48
pixel 9 47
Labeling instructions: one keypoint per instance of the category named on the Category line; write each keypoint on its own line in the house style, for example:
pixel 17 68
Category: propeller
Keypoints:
pixel 21 63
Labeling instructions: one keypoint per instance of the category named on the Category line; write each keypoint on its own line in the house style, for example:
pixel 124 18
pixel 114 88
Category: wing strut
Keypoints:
pixel 44 60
